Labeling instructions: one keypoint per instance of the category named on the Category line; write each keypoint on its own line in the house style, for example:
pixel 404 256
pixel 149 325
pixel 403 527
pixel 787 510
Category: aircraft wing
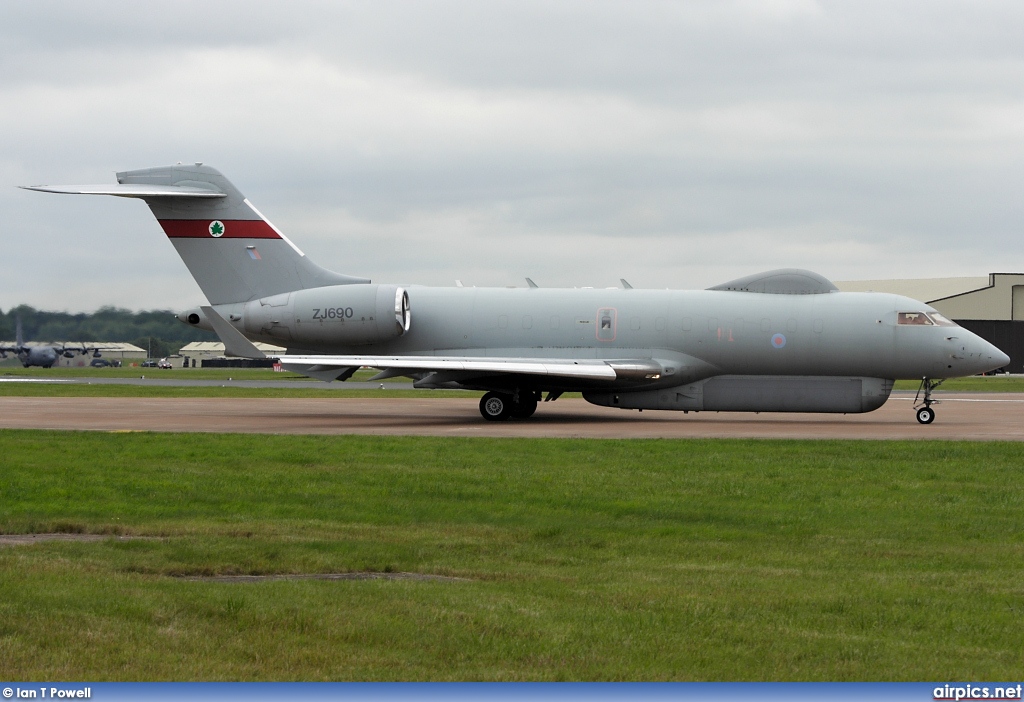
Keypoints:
pixel 590 369
pixel 85 348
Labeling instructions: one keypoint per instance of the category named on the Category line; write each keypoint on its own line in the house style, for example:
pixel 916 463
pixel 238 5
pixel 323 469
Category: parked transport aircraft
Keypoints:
pixel 41 355
pixel 782 341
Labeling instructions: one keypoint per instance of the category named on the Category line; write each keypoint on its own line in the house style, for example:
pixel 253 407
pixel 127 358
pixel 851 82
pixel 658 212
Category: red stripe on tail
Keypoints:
pixel 208 229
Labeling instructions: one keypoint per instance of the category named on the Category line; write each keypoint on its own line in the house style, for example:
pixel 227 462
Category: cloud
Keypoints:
pixel 677 144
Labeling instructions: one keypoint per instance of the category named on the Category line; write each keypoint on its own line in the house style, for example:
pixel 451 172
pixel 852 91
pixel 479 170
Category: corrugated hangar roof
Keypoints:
pixel 924 289
pixel 997 296
pixel 218 347
pixel 117 346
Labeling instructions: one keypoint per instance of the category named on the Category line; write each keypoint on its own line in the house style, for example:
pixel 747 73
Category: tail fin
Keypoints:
pixel 231 249
pixel 19 337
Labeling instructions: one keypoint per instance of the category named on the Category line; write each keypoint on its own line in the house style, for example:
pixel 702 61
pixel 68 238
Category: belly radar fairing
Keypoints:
pixel 781 341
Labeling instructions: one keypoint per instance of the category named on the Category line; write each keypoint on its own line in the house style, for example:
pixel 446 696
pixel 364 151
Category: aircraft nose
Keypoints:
pixel 989 357
pixel 971 355
pixel 999 357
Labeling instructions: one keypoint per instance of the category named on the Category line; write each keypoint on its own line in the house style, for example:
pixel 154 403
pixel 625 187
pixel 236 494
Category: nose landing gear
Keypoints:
pixel 923 400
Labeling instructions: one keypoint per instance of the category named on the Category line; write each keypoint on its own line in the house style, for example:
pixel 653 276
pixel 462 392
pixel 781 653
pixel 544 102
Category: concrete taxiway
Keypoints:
pixel 989 417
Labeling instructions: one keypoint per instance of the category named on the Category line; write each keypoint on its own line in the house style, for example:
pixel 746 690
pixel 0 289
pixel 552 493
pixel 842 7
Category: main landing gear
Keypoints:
pixel 923 405
pixel 499 406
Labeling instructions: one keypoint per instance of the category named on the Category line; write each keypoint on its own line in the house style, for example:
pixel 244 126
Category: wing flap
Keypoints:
pixel 324 373
pixel 565 368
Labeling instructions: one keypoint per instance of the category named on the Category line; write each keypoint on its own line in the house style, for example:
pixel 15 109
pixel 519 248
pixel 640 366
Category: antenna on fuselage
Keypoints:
pixel 531 283
pixel 625 284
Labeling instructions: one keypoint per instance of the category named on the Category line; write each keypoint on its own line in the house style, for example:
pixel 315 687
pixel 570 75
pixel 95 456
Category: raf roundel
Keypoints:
pixel 778 341
pixel 216 229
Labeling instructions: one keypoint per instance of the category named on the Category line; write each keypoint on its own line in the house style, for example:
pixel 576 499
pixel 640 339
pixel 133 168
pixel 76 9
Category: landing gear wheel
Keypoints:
pixel 496 407
pixel 923 400
pixel 526 406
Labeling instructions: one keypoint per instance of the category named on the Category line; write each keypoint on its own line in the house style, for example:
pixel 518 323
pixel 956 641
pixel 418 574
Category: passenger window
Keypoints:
pixel 687 323
pixel 791 325
pixel 606 324
pixel 919 319
pixel 634 323
pixel 659 324
pixel 527 321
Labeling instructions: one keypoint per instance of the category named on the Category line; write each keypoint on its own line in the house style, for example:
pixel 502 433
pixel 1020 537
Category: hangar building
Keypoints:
pixel 112 350
pixel 210 354
pixel 990 306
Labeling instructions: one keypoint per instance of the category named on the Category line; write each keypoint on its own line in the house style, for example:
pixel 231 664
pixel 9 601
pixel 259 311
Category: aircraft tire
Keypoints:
pixel 526 406
pixel 496 407
pixel 926 415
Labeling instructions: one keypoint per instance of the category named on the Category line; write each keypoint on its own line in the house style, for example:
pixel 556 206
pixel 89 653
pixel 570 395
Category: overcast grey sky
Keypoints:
pixel 676 144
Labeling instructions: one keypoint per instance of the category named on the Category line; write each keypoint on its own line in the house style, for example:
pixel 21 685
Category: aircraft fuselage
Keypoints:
pixel 695 333
pixel 42 356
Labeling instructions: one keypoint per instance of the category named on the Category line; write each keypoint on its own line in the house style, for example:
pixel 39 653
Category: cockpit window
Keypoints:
pixel 915 318
pixel 940 320
pixel 924 319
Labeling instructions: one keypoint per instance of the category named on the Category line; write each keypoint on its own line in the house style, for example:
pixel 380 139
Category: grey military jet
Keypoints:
pixel 44 356
pixel 781 341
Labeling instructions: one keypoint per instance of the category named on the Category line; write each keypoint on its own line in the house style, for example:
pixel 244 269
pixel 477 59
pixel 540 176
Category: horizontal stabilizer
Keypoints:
pixel 128 190
pixel 234 253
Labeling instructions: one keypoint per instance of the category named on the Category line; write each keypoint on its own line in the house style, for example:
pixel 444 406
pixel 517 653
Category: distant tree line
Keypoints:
pixel 156 330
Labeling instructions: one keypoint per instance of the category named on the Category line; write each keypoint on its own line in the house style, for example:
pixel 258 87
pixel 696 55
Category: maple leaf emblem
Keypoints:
pixel 216 228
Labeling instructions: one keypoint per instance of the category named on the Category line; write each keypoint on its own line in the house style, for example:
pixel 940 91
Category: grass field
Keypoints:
pixel 581 560
pixel 303 386
pixel 301 390
pixel 975 383
pixel 172 373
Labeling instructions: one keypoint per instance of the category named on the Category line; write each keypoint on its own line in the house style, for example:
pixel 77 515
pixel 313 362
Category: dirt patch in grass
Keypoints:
pixel 28 539
pixel 318 576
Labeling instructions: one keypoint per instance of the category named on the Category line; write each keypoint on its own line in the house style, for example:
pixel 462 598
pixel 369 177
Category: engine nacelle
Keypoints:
pixel 337 315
